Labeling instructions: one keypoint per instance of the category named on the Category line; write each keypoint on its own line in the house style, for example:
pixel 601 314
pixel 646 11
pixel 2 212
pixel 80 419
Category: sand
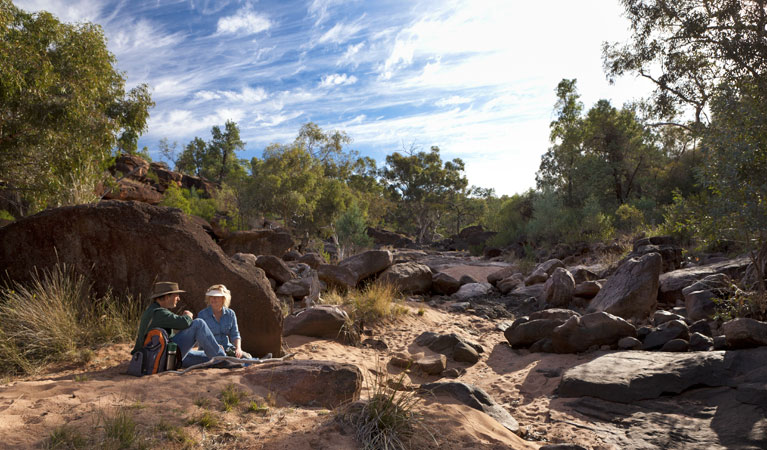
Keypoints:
pixel 84 397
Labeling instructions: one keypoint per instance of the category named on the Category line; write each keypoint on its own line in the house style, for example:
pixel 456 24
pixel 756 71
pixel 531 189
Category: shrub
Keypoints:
pixel 378 300
pixel 206 420
pixel 628 218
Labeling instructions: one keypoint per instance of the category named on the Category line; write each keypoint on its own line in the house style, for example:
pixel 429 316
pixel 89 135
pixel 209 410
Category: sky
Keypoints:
pixel 476 78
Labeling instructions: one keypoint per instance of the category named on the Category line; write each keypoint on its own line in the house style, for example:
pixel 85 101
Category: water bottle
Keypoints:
pixel 171 361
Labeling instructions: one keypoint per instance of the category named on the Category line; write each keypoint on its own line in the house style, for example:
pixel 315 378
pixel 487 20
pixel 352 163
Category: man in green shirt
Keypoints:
pixel 158 315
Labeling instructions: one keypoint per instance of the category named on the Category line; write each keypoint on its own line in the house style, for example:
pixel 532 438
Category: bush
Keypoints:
pixel 48 319
pixel 628 219
pixel 377 301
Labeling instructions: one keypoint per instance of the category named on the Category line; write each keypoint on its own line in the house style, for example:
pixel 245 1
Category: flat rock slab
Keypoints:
pixel 474 397
pixel 629 376
pixel 325 384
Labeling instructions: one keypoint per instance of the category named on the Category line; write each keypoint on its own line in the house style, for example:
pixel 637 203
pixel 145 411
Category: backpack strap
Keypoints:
pixel 160 334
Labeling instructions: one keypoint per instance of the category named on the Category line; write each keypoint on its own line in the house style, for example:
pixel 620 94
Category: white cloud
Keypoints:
pixel 245 21
pixel 340 33
pixel 141 36
pixel 454 100
pixel 349 56
pixel 319 9
pixel 69 11
pixel 337 80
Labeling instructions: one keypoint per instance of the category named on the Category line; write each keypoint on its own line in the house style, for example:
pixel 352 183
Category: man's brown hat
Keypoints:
pixel 164 288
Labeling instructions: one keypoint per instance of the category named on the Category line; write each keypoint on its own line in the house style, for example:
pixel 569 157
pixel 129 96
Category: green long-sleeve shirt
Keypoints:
pixel 156 316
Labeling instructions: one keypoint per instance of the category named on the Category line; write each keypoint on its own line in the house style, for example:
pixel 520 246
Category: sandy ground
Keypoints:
pixel 165 406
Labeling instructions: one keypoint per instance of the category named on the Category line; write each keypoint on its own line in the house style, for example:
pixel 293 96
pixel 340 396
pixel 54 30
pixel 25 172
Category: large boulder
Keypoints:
pixel 451 345
pixel 322 321
pixel 383 237
pixel 474 397
pixel 667 331
pixel 501 274
pixel 671 284
pixel 745 332
pixel 559 288
pixel 324 384
pixel 408 277
pixel 580 333
pixel 127 246
pixel 444 284
pixel 337 276
pixel 632 291
pixel 275 268
pixel 368 263
pixel 472 290
pixel 526 333
pixel 258 242
pixel 510 283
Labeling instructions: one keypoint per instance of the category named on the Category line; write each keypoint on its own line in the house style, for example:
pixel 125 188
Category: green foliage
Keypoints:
pixel 628 218
pixel 65 437
pixel 352 231
pixel 207 420
pixel 216 159
pixel 5 215
pixel 119 429
pixel 64 107
pixel 231 396
pixel 189 201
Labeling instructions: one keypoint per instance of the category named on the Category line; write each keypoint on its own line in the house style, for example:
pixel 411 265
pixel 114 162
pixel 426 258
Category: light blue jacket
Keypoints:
pixel 225 330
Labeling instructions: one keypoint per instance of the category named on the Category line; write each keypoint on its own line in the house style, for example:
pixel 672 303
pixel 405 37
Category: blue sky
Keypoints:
pixel 475 78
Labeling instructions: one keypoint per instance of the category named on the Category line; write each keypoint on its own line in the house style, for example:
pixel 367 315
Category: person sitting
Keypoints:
pixel 158 315
pixel 222 322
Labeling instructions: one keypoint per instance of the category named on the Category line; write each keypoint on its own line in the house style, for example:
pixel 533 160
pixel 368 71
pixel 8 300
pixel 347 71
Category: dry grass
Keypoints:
pixel 376 301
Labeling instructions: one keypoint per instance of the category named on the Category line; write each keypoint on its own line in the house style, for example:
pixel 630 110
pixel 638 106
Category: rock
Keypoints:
pixel 660 317
pixel 744 333
pixel 587 289
pixel 701 327
pixel 473 236
pixel 275 268
pixel 700 305
pixel 324 384
pixel 671 255
pixel 631 292
pixel 408 277
pixel 559 288
pixel 671 284
pixel 719 283
pixel 337 276
pixel 675 345
pixel 367 263
pixel 322 321
pixel 401 359
pixel 673 329
pixel 700 343
pixel 538 276
pixel 467 279
pixel 535 290
pixel 389 238
pixel 562 447
pixel 629 343
pixel 474 397
pixel 630 376
pixel 463 352
pixel 643 332
pixel 472 290
pixel 244 258
pixel 432 365
pixel 499 275
pixel 448 344
pixel 720 343
pixel 444 284
pixel 291 255
pixel 257 242
pixel 554 313
pixel 580 333
pixel 455 372
pixel 459 306
pixel 492 252
pixel 300 287
pixel 510 283
pixel 527 333
pixel 550 266
pixel 128 189
pixel 313 260
pixel 582 274
pixel 542 346
pixel 126 246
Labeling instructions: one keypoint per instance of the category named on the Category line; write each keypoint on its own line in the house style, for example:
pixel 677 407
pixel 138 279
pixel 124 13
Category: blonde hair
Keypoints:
pixel 222 288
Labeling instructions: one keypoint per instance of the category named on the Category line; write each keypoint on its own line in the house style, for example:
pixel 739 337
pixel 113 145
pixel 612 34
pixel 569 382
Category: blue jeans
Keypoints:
pixel 200 333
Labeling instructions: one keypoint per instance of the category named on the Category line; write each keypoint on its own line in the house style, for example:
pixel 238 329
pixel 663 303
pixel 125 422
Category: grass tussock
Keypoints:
pixel 119 430
pixel 231 396
pixel 207 420
pixel 376 301
pixel 387 420
pixel 65 437
pixel 56 316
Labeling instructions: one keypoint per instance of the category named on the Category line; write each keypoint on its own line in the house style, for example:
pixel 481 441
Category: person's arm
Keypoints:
pixel 163 318
pixel 234 335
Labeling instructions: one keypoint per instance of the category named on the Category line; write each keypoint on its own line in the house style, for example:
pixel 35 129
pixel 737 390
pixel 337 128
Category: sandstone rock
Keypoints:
pixel 325 384
pixel 492 252
pixel 499 275
pixel 671 255
pixel 700 305
pixel 701 327
pixel 630 376
pixel 127 246
pixel 258 242
pixel 367 263
pixel 542 346
pixel 743 333
pixel 275 268
pixel 322 321
pixel 472 290
pixel 629 343
pixel 580 333
pixel 632 291
pixel 720 342
pixel 582 274
pixel 245 258
pixel 432 365
pixel 587 289
pixel 535 290
pixel 467 279
pixel 448 344
pixel 403 360
pixel 671 284
pixel 474 397
pixel 383 237
pixel 313 260
pixel 700 343
pixel 409 277
pixel 291 255
pixel 127 189
pixel 463 352
pixel 673 329
pixel 550 266
pixel 554 313
pixel 337 276
pixel 559 288
pixel 444 284
pixel 510 283
pixel 527 333
pixel 660 317
pixel 299 288
pixel 538 276
pixel 675 345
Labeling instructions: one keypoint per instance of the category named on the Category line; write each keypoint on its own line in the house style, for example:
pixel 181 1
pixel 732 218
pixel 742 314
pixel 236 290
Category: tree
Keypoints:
pixel 222 151
pixel 422 184
pixel 192 160
pixel 64 107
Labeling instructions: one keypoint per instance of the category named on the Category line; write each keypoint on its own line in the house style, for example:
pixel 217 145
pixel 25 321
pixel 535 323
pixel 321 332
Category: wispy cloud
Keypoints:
pixel 245 95
pixel 245 21
pixel 454 100
pixel 340 33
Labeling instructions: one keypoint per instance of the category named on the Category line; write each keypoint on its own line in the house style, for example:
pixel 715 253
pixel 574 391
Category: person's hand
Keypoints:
pixel 238 353
pixel 188 314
